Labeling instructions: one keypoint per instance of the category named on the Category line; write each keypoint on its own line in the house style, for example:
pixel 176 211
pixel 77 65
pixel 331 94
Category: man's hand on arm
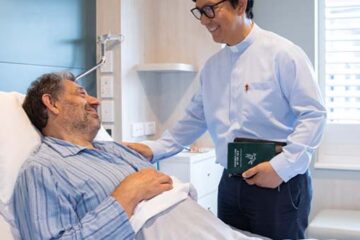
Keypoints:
pixel 139 186
pixel 141 148
pixel 262 175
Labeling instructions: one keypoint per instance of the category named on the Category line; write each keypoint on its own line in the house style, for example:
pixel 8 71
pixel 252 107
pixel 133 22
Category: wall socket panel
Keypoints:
pixel 107 110
pixel 137 129
pixel 107 86
pixel 140 129
pixel 149 128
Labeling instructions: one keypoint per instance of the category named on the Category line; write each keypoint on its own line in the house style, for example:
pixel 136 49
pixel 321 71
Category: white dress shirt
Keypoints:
pixel 262 88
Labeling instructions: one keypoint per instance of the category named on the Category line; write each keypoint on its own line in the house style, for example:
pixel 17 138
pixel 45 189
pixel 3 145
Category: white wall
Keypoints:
pixel 159 31
pixel 292 19
pixel 295 20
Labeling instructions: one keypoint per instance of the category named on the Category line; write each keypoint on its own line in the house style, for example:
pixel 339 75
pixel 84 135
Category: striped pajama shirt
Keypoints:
pixel 63 191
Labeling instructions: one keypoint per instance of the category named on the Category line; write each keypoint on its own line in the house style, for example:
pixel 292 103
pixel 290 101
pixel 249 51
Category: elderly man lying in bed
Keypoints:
pixel 75 188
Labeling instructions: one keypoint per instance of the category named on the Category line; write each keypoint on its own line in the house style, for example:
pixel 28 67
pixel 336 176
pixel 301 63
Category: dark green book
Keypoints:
pixel 245 155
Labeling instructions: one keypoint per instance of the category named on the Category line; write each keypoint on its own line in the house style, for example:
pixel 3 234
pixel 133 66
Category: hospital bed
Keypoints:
pixel 18 138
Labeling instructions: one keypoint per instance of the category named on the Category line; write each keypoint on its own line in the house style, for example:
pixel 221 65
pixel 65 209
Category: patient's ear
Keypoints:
pixel 50 103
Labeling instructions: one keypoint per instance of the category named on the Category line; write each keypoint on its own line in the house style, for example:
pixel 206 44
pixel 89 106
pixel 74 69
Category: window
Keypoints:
pixel 339 73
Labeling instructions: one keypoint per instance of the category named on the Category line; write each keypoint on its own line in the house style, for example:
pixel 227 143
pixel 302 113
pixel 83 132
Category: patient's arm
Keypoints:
pixel 43 211
pixel 139 186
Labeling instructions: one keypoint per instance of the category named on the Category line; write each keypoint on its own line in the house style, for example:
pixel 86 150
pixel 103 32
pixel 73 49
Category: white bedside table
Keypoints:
pixel 201 170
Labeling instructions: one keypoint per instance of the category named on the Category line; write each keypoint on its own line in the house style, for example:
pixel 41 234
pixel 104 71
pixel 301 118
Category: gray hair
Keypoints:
pixel 49 83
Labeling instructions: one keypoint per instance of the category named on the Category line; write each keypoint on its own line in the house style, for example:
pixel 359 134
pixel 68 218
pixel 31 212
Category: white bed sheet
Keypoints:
pixel 188 220
pixel 5 230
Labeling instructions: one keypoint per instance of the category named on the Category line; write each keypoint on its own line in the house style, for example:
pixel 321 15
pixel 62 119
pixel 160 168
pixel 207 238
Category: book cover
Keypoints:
pixel 245 155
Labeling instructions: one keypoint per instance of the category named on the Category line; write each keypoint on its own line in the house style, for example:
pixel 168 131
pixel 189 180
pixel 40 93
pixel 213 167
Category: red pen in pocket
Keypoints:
pixel 246 87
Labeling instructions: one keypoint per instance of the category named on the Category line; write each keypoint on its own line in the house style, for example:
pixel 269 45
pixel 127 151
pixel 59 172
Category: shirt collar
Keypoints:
pixel 64 148
pixel 244 44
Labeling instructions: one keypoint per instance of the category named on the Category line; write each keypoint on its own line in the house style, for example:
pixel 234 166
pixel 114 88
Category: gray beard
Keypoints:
pixel 85 128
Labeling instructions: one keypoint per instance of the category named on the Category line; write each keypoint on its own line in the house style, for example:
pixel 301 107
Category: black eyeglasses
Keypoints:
pixel 208 10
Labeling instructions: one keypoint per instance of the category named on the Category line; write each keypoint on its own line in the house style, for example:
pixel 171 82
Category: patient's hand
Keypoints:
pixel 139 186
pixel 262 175
pixel 141 148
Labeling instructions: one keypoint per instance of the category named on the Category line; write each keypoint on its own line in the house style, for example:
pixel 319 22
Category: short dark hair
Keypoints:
pixel 49 83
pixel 250 4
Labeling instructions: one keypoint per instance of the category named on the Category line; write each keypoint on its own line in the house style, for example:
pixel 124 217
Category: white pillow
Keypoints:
pixel 103 135
pixel 18 137
pixel 6 231
pixel 7 224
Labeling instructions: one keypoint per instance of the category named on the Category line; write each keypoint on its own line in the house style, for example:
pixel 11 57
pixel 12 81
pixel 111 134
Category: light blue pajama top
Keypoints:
pixel 262 88
pixel 64 191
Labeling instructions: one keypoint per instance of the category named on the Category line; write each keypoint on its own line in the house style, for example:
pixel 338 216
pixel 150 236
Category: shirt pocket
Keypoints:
pixel 259 92
pixel 258 99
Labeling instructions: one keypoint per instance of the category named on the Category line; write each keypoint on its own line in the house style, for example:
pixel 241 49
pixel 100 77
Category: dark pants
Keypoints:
pixel 280 213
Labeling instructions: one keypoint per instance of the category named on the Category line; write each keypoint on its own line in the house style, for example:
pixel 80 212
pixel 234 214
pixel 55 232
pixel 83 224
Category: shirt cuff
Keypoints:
pixel 282 167
pixel 155 148
pixel 163 148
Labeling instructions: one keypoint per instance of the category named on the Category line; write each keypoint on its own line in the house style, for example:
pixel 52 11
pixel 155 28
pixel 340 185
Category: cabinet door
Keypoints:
pixel 209 202
pixel 205 175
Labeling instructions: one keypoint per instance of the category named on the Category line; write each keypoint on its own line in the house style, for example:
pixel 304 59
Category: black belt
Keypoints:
pixel 278 145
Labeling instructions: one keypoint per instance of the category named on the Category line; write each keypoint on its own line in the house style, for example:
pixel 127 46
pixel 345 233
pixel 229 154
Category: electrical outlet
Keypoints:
pixel 107 86
pixel 137 129
pixel 107 110
pixel 150 128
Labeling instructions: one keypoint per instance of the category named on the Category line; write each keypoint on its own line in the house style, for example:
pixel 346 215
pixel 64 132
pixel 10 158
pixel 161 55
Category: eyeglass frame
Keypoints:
pixel 202 11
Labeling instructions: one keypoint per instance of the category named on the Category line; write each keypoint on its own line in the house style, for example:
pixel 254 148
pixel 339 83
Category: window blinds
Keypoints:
pixel 342 60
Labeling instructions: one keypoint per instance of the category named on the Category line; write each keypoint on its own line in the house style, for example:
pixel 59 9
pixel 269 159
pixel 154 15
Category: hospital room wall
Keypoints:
pixel 160 34
pixel 39 36
pixel 157 31
pixel 295 20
